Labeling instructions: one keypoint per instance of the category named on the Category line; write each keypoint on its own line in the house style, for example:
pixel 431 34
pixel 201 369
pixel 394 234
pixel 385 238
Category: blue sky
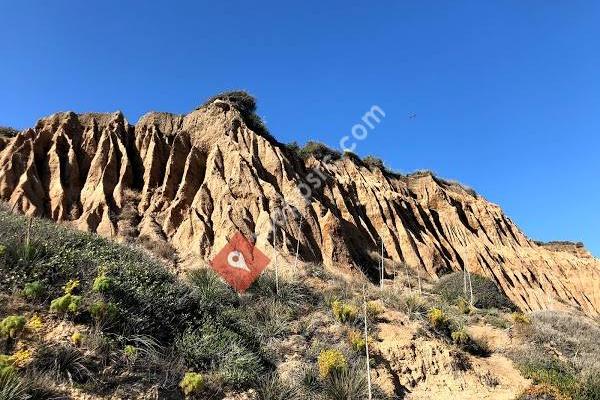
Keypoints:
pixel 506 93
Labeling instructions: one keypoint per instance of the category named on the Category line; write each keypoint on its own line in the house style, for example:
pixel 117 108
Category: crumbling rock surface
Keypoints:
pixel 193 180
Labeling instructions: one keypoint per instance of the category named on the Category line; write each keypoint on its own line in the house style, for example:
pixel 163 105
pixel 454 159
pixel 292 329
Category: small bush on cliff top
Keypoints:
pixel 319 151
pixel 246 105
pixel 6 131
pixel 373 162
pixel 240 99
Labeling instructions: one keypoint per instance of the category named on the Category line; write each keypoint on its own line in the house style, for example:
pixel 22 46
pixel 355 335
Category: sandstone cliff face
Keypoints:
pixel 194 180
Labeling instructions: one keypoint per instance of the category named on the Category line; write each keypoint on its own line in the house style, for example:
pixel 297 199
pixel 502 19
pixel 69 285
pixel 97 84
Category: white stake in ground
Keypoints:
pixel 381 267
pixel 298 243
pixel 470 287
pixel 367 343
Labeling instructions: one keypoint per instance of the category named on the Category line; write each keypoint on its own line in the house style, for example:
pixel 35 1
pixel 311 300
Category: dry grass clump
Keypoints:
pixel 161 248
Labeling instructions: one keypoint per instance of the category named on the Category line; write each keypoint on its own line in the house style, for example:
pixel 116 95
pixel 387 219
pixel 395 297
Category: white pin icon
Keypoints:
pixel 235 259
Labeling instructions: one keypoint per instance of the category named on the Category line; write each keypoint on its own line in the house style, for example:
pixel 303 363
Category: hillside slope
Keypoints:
pixel 195 179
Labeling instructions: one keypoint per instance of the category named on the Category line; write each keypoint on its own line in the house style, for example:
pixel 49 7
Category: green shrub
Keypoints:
pixel 330 361
pixel 357 341
pixel 521 318
pixel 269 319
pixel 589 388
pixel 240 367
pixel 71 286
pixel 319 151
pixel 552 373
pixel 2 250
pixel 77 339
pixel 461 337
pixel 103 311
pixel 6 365
pixel 240 99
pixel 246 105
pixel 542 392
pixel 486 293
pixel 476 346
pixel 34 290
pixel 12 326
pixel 291 290
pixel 463 305
pixel 212 292
pixel 215 348
pixel 102 284
pixel 373 162
pixel 7 131
pixel 495 319
pixel 438 319
pixel 293 148
pixel 413 305
pixel 344 312
pixel 130 352
pixel 374 310
pixel 67 303
pixel 192 383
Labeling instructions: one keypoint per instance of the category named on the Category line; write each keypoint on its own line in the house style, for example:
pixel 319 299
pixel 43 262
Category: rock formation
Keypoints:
pixel 193 180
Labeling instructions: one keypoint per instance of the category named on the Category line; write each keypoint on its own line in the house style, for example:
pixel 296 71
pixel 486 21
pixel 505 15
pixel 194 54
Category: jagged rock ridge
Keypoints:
pixel 195 179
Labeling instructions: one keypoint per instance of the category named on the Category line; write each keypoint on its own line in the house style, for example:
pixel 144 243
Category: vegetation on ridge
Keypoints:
pixel 245 103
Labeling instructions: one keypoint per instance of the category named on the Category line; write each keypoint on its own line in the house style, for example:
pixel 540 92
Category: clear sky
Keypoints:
pixel 506 93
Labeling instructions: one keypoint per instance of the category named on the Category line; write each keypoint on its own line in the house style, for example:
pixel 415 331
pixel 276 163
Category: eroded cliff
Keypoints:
pixel 195 179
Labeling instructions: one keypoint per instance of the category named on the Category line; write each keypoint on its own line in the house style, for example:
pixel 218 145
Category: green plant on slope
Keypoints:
pixel 12 326
pixel 330 361
pixel 102 284
pixel 34 290
pixel 192 383
pixel 103 311
pixel 71 286
pixel 344 312
pixel 486 292
pixel 216 348
pixel 438 319
pixel 67 303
